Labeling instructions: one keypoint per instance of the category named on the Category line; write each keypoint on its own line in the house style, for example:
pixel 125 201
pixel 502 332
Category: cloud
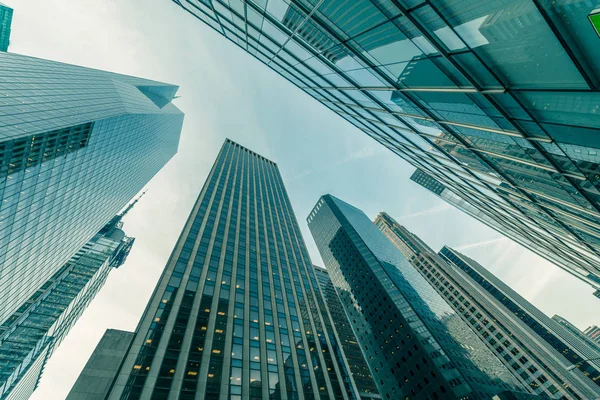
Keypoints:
pixel 365 152
pixel 434 210
pixel 480 244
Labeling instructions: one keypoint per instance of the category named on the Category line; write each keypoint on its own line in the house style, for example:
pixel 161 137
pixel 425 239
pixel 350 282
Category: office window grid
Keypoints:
pixel 415 344
pixel 84 139
pixel 460 89
pixel 543 370
pixel 238 310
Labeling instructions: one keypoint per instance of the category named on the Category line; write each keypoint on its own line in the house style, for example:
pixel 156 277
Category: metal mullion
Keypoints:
pixel 422 31
pixel 501 110
pixel 296 30
pixel 386 79
pixel 246 22
pixel 459 124
pixel 415 89
pixel 565 45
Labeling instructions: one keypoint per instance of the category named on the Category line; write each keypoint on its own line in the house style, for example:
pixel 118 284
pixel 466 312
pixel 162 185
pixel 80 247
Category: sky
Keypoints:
pixel 225 93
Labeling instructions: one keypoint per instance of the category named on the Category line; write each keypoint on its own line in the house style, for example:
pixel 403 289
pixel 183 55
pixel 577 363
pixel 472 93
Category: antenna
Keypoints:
pixel 130 206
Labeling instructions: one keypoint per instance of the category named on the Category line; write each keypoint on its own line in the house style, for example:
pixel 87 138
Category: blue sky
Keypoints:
pixel 226 93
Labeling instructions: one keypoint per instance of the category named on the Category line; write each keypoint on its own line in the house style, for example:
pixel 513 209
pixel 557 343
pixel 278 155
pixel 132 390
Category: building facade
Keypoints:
pixel 238 313
pixel 32 333
pixel 6 14
pixel 497 100
pixel 576 331
pixel 416 345
pixel 530 344
pixel 97 376
pixel 76 145
pixel 351 349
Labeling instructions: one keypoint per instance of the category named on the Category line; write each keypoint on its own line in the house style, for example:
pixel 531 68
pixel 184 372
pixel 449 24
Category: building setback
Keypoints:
pixel 530 344
pixel 351 349
pixel 29 337
pixel 237 313
pixel 76 145
pixel 497 100
pixel 415 344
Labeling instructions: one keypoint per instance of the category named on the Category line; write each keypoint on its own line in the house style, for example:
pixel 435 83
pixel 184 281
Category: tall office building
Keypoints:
pixel 530 344
pixel 96 377
pixel 415 344
pixel 76 145
pixel 576 331
pixel 237 313
pixel 6 14
pixel 32 333
pixel 593 332
pixel 496 100
pixel 351 349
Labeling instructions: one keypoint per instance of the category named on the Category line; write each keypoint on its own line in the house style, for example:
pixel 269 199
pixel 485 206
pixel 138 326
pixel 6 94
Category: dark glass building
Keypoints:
pixel 351 349
pixel 6 14
pixel 31 334
pixel 238 313
pixel 534 347
pixel 416 345
pixel 76 145
pixel 496 99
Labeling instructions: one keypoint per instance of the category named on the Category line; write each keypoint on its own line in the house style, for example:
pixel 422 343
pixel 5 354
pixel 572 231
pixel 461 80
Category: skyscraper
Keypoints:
pixel 496 100
pixel 76 145
pixel 351 349
pixel 593 332
pixel 415 344
pixel 534 347
pixel 32 333
pixel 576 331
pixel 237 313
pixel 6 14
pixel 96 377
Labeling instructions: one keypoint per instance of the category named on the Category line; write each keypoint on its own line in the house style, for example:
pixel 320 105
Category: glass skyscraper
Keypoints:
pixel 6 14
pixel 531 345
pixel 495 99
pixel 76 145
pixel 351 349
pixel 416 345
pixel 32 333
pixel 238 313
pixel 577 332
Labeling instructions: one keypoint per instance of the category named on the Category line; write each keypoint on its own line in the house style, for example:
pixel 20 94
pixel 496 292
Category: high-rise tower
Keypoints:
pixel 76 145
pixel 534 347
pixel 496 100
pixel 6 14
pixel 351 349
pixel 237 313
pixel 415 344
pixel 32 333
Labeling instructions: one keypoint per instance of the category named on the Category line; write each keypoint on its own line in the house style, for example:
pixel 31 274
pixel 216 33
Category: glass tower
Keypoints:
pixel 496 99
pixel 32 333
pixel 76 145
pixel 6 14
pixel 358 366
pixel 238 313
pixel 577 332
pixel 530 344
pixel 416 345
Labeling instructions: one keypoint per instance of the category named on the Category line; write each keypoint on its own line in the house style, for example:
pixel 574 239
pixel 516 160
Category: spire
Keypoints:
pixel 130 206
